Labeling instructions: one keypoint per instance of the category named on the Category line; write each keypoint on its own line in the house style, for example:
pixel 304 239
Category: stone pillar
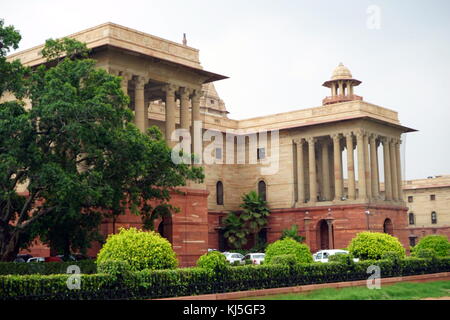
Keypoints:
pixel 399 169
pixel 124 82
pixel 300 171
pixel 307 220
pixel 184 108
pixel 140 110
pixel 367 168
pixel 333 89
pixel 374 166
pixel 394 181
pixel 350 166
pixel 341 88
pixel 170 89
pixel 387 169
pixel 195 100
pixel 330 233
pixel 338 183
pixel 326 170
pixel 312 170
pixel 362 194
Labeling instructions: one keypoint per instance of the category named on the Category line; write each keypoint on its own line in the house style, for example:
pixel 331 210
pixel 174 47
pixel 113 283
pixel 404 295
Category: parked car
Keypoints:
pixel 256 258
pixel 22 257
pixel 322 255
pixel 70 258
pixel 36 259
pixel 233 257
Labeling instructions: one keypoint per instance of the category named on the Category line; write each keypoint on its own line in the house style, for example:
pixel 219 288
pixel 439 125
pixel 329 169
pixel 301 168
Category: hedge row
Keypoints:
pixel 194 281
pixel 21 268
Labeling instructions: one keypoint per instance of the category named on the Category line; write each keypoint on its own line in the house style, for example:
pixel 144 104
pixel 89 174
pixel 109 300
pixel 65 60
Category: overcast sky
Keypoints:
pixel 278 53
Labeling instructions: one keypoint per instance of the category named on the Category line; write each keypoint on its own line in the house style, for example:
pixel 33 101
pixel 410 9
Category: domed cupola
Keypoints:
pixel 341 85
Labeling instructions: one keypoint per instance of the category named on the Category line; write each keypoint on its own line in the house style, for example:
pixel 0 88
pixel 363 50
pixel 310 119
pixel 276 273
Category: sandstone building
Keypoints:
pixel 319 168
pixel 428 202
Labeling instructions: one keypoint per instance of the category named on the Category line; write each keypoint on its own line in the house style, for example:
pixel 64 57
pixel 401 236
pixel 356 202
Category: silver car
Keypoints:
pixel 233 257
pixel 256 258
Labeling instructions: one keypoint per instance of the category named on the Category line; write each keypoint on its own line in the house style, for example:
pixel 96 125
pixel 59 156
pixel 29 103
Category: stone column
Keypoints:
pixel 338 183
pixel 312 170
pixel 184 108
pixel 170 89
pixel 394 181
pixel 307 220
pixel 399 169
pixel 367 168
pixel 195 100
pixel 350 166
pixel 374 166
pixel 140 110
pixel 124 82
pixel 300 171
pixel 362 194
pixel 326 170
pixel 330 233
pixel 333 89
pixel 387 169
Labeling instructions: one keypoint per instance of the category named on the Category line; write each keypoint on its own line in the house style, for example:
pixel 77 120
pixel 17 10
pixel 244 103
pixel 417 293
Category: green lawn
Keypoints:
pixel 398 291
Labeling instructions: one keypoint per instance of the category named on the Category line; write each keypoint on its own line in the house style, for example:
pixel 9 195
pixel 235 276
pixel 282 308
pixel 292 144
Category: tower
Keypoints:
pixel 341 85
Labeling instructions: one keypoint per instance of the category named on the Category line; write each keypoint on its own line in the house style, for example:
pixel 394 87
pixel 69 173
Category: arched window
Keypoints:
pixel 411 218
pixel 433 217
pixel 262 190
pixel 219 193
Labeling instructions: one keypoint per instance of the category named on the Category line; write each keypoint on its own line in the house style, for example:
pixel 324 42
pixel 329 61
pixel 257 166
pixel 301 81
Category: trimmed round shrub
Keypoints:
pixel 439 244
pixel 392 256
pixel 290 260
pixel 140 249
pixel 425 253
pixel 373 245
pixel 288 246
pixel 213 261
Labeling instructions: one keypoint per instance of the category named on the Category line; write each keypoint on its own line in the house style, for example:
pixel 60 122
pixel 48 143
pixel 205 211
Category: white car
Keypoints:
pixel 36 259
pixel 234 256
pixel 322 255
pixel 256 258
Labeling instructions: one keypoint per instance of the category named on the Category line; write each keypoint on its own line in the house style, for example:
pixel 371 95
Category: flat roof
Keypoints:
pixel 113 35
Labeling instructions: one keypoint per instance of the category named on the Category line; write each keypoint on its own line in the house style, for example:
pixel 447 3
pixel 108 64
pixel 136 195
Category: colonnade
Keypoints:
pixel 189 102
pixel 320 167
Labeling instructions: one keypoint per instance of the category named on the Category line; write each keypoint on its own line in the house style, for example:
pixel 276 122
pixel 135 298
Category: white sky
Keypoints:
pixel 278 53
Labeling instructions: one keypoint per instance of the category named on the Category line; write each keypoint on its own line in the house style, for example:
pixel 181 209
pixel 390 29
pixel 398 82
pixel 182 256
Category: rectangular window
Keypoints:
pixel 410 198
pixel 218 153
pixel 261 153
pixel 432 197
pixel 412 242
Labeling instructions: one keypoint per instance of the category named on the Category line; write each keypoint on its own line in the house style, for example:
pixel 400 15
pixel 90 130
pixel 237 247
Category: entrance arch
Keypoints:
pixel 323 235
pixel 388 227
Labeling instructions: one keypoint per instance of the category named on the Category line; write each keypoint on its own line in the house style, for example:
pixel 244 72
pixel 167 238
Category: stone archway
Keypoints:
pixel 165 228
pixel 323 239
pixel 388 227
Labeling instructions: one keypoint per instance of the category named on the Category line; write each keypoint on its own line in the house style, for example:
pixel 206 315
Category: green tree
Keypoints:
pixel 292 233
pixel 76 148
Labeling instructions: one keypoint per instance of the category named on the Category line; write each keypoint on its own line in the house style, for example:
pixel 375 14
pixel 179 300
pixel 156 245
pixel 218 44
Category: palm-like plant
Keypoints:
pixel 235 231
pixel 292 233
pixel 254 212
